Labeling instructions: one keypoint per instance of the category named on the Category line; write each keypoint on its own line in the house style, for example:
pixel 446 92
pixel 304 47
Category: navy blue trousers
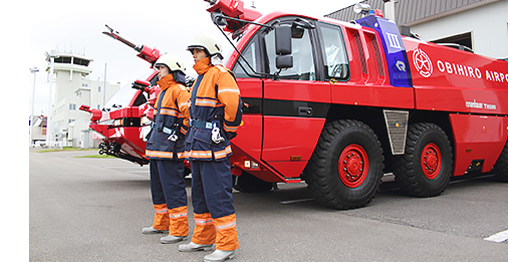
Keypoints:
pixel 167 183
pixel 211 188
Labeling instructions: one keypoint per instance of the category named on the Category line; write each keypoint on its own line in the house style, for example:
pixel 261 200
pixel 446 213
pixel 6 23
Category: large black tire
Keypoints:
pixel 426 166
pixel 501 166
pixel 247 183
pixel 346 167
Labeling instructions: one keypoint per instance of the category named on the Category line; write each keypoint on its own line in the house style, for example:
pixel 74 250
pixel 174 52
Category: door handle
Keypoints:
pixel 304 111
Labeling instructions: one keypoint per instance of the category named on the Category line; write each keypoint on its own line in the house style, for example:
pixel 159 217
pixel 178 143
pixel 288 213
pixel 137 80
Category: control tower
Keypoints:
pixel 73 88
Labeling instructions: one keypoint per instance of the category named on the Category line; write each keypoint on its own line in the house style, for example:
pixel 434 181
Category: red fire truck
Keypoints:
pixel 123 123
pixel 338 104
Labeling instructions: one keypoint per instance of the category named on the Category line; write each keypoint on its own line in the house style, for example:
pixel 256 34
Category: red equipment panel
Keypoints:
pixel 478 138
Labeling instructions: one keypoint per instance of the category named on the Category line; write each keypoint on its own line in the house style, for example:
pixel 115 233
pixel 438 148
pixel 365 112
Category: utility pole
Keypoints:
pixel 49 132
pixel 104 89
pixel 34 71
pixel 390 9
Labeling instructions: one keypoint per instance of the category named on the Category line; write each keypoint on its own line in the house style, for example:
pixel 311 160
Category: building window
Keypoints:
pixel 99 89
pixel 71 120
pixel 63 60
pixel 72 106
pixel 79 61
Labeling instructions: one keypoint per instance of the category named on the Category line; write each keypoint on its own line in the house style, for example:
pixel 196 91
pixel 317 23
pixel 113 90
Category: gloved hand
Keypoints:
pixel 230 135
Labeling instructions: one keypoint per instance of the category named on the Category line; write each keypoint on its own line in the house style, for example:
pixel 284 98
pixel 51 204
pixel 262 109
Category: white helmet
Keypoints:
pixel 173 63
pixel 206 43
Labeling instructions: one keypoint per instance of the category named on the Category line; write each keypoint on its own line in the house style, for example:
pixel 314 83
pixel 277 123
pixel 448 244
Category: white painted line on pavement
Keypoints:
pixel 499 237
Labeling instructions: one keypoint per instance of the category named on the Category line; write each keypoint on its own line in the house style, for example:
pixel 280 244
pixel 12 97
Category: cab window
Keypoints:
pixel 241 68
pixel 335 56
pixel 303 60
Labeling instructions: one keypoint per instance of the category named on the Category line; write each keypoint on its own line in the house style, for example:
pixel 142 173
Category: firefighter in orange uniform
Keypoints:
pixel 214 117
pixel 165 149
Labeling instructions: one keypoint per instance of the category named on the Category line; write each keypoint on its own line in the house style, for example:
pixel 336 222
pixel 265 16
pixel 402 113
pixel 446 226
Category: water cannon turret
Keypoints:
pixel 146 53
pixel 96 113
pixel 234 9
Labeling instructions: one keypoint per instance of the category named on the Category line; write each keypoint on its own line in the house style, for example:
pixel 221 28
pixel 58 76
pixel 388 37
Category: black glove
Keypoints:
pixel 230 135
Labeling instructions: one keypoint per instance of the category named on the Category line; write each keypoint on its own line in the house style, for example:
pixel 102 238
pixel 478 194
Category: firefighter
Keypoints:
pixel 214 117
pixel 165 149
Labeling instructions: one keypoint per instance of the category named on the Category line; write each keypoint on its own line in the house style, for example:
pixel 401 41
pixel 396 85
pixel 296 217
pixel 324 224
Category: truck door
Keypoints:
pixel 250 137
pixel 295 105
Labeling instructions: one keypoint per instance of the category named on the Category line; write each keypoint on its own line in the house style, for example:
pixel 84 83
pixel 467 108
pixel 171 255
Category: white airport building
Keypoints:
pixel 72 88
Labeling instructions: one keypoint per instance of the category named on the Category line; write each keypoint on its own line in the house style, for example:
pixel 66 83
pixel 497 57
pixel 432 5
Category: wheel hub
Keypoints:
pixel 431 161
pixel 353 165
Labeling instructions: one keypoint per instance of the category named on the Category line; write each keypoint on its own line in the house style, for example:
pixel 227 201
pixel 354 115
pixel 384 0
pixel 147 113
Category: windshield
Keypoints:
pixel 124 96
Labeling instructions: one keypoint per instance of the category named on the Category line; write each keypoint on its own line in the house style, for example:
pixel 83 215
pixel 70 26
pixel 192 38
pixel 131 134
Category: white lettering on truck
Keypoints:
pixel 480 105
pixel 457 69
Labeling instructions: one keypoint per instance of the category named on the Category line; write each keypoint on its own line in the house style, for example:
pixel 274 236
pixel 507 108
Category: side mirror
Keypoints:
pixel 283 40
pixel 283 47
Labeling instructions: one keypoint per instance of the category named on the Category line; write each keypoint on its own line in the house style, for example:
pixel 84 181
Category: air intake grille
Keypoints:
pixel 361 52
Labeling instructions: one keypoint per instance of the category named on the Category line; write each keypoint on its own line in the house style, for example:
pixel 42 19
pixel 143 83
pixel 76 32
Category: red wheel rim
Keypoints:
pixel 431 161
pixel 353 166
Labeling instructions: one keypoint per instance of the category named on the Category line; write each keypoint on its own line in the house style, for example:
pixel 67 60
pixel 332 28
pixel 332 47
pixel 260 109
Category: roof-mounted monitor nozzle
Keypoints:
pixel 362 8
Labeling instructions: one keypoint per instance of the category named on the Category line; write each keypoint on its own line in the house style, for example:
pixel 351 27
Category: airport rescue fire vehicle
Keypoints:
pixel 338 104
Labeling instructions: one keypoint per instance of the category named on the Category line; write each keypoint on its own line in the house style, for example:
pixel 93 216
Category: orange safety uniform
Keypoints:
pixel 215 106
pixel 165 149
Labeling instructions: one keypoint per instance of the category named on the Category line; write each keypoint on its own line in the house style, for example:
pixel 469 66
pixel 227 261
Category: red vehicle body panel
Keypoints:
pixel 478 137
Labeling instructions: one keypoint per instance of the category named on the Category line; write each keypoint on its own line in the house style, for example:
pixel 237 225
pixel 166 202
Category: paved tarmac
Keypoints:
pixel 84 209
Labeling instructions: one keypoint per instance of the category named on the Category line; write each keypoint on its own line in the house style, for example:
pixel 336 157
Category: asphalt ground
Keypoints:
pixel 85 209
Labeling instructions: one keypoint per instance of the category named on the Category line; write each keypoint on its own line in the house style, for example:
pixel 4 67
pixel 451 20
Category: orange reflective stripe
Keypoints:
pixel 169 112
pixel 225 223
pixel 223 153
pixel 208 102
pixel 160 208
pixel 230 128
pixel 203 221
pixel 161 211
pixel 199 154
pixel 225 227
pixel 162 154
pixel 233 89
pixel 178 212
